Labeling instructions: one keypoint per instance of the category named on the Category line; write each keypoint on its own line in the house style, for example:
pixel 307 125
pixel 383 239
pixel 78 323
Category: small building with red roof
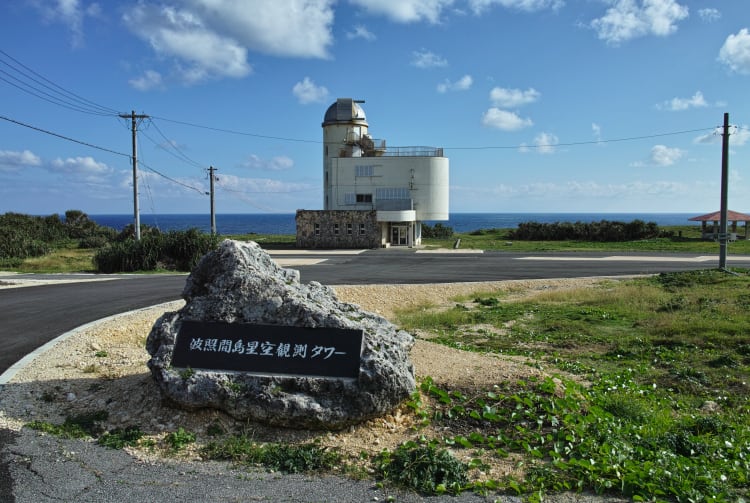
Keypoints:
pixel 715 217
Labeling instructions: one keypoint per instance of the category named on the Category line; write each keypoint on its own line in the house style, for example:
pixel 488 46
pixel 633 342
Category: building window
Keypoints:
pixel 364 198
pixel 392 193
pixel 361 229
pixel 317 229
pixel 350 198
pixel 336 229
pixel 349 229
pixel 364 170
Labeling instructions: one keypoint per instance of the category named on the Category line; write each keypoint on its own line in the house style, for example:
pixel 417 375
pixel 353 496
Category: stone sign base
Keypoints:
pixel 240 284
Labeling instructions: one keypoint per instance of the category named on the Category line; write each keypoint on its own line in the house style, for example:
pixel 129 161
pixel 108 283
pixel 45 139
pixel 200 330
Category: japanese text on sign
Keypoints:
pixel 330 352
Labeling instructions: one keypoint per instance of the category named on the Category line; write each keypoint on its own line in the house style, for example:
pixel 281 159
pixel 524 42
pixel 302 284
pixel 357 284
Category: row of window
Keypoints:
pixel 337 229
pixel 381 193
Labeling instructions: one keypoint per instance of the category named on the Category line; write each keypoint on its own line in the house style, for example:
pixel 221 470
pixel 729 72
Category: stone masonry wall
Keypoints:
pixel 337 229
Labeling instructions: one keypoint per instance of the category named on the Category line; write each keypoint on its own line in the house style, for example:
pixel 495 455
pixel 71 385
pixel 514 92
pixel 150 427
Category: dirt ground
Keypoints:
pixel 103 367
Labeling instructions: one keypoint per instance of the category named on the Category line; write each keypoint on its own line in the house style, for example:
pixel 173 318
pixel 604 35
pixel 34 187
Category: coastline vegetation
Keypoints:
pixel 52 244
pixel 647 394
pixel 665 411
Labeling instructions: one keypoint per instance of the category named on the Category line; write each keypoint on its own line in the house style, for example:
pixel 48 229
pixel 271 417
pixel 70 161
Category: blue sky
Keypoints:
pixel 541 105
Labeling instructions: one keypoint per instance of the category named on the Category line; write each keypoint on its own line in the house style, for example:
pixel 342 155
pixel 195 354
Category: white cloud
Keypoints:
pixel 735 53
pixel 427 59
pixel 71 13
pixel 628 19
pixel 406 11
pixel 678 104
pixel 84 167
pixel 596 130
pixel 278 163
pixel 502 119
pixel 545 143
pixel 740 136
pixel 662 156
pixel 709 15
pixel 479 6
pixel 361 32
pixel 511 98
pixel 296 28
pixel 211 38
pixel 462 84
pixel 307 92
pixel 184 36
pixel 149 80
pixel 13 160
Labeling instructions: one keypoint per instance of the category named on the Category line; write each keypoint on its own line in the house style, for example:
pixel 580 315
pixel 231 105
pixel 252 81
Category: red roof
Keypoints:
pixel 733 216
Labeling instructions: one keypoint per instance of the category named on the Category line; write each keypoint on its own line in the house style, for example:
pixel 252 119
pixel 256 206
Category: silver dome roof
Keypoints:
pixel 345 111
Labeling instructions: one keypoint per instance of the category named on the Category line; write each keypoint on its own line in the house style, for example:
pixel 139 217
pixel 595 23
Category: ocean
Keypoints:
pixel 283 223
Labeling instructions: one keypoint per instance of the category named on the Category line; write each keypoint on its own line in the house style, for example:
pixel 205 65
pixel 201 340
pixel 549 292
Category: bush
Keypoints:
pixel 424 468
pixel 602 231
pixel 25 236
pixel 176 250
pixel 438 231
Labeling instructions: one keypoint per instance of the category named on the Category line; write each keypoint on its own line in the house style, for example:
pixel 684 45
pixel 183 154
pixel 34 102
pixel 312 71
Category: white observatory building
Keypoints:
pixel 373 195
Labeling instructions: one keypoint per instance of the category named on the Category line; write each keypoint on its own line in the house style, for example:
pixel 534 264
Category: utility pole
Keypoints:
pixel 134 128
pixel 211 177
pixel 723 237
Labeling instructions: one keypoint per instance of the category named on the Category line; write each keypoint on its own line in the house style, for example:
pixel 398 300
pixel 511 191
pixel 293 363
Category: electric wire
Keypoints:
pixel 589 142
pixel 178 152
pixel 200 191
pixel 241 133
pixel 67 138
pixel 64 97
pixel 49 99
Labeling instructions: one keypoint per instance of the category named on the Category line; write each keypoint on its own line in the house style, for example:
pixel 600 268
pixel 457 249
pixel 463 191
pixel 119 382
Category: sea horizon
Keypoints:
pixel 460 222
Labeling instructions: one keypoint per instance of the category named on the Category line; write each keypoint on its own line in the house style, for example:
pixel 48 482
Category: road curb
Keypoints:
pixel 6 376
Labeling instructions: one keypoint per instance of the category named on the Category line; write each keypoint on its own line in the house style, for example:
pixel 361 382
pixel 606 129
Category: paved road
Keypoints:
pixel 31 316
pixel 39 468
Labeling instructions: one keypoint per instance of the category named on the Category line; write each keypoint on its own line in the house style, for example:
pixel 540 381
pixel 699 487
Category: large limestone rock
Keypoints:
pixel 240 283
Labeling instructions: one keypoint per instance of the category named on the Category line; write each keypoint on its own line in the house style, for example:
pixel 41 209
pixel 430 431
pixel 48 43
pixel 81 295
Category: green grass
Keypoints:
pixel 689 241
pixel 667 413
pixel 69 258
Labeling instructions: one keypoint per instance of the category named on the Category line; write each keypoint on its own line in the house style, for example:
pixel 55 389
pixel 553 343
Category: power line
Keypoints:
pixel 241 133
pixel 200 191
pixel 68 138
pixel 177 151
pixel 62 97
pixel 589 142
pixel 486 147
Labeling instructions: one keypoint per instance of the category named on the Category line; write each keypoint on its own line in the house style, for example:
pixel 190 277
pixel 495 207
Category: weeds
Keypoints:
pixel 79 426
pixel 424 468
pixel 277 457
pixel 120 438
pixel 656 351
pixel 178 440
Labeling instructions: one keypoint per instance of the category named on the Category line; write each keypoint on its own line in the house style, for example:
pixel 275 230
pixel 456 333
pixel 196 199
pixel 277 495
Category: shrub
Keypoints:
pixel 424 468
pixel 438 231
pixel 176 250
pixel 602 231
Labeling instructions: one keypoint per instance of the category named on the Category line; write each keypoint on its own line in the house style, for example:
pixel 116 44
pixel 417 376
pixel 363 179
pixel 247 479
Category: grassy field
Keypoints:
pixel 664 414
pixel 667 413
pixel 687 240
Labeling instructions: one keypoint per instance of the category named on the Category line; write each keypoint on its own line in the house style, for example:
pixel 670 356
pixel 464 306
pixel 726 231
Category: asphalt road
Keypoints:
pixel 31 316
pixel 40 468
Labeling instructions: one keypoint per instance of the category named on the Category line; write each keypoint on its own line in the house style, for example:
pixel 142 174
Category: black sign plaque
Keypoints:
pixel 268 349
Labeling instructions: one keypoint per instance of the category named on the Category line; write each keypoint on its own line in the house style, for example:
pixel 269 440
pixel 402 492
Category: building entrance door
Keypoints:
pixel 399 235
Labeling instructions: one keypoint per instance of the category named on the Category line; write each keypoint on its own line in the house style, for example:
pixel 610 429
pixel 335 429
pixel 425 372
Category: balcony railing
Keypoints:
pixel 409 152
